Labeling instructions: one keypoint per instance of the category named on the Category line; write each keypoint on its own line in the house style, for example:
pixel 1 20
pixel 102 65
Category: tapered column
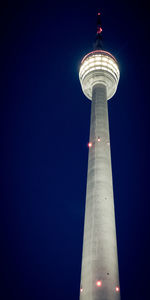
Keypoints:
pixel 99 275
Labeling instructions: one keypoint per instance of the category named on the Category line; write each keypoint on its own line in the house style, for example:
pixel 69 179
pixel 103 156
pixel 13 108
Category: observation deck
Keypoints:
pixel 99 67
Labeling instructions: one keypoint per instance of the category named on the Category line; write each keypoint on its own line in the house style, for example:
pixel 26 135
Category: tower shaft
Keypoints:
pixel 99 275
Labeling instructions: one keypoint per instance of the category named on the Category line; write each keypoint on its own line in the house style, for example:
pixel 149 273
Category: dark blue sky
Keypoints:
pixel 44 119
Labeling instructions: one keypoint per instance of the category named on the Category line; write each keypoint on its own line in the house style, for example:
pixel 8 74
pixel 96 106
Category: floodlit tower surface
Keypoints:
pixel 99 76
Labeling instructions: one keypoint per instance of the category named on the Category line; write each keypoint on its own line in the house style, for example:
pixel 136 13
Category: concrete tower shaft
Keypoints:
pixel 99 76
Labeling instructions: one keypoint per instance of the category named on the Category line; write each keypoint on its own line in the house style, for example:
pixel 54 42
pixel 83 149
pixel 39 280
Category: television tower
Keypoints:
pixel 99 76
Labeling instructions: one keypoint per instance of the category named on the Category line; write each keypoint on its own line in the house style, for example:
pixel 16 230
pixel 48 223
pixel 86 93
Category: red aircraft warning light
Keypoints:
pixel 99 30
pixel 117 289
pixel 89 144
pixel 99 283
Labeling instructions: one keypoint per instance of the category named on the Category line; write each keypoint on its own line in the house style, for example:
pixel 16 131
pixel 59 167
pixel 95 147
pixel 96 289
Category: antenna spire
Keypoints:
pixel 98 44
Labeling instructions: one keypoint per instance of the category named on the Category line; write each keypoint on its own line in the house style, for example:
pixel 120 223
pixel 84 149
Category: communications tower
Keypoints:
pixel 99 76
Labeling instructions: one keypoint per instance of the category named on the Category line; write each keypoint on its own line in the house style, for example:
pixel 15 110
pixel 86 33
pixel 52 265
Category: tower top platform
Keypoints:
pixel 97 52
pixel 99 67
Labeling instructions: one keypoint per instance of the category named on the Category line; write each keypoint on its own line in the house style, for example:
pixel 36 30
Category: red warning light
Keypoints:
pixel 81 290
pixel 99 283
pixel 99 14
pixel 117 289
pixel 89 144
pixel 99 30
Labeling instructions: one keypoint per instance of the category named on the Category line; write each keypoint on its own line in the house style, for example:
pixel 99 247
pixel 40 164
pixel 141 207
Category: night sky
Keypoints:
pixel 44 121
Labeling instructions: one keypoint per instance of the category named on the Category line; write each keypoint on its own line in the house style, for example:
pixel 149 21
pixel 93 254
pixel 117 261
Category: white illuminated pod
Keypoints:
pixel 99 67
